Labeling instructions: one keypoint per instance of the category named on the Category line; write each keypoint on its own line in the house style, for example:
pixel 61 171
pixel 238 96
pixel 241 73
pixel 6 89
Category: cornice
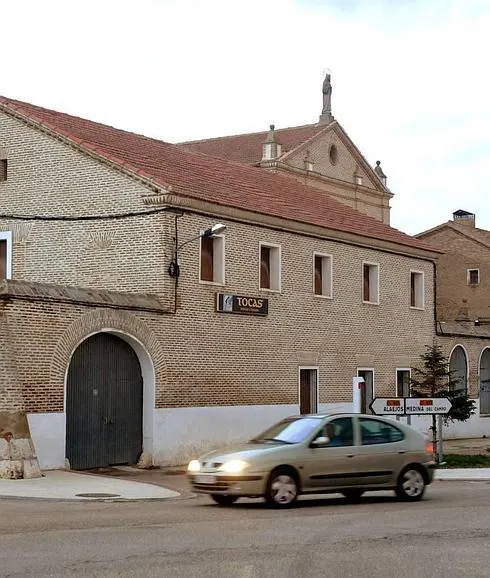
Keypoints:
pixel 286 225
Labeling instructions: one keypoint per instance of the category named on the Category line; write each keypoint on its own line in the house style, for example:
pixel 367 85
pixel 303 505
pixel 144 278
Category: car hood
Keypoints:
pixel 243 452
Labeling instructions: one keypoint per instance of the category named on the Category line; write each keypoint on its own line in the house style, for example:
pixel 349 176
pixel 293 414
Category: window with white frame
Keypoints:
pixel 5 254
pixel 212 259
pixel 322 275
pixel 417 289
pixel 270 267
pixel 473 276
pixel 370 282
pixel 403 382
pixel 308 390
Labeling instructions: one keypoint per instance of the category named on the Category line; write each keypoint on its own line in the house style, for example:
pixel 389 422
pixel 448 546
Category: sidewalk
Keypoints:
pixel 468 446
pixel 65 485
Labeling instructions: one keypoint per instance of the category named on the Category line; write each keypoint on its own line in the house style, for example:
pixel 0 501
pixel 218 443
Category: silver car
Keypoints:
pixel 336 453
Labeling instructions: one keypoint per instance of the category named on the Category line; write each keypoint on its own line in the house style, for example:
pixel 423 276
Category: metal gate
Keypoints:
pixel 104 404
pixel 485 382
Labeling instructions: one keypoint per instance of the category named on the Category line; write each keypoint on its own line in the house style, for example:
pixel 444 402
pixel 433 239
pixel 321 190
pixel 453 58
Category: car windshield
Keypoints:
pixel 289 431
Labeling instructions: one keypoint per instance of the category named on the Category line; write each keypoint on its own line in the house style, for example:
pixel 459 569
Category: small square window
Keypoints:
pixel 417 289
pixel 322 275
pixel 370 288
pixel 270 267
pixel 212 260
pixel 3 170
pixel 473 276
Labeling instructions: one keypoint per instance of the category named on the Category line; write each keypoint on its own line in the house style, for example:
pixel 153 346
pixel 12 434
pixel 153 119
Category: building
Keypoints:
pixel 463 308
pixel 320 155
pixel 130 331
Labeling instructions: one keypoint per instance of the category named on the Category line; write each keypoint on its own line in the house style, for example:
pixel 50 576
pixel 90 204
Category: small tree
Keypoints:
pixel 434 379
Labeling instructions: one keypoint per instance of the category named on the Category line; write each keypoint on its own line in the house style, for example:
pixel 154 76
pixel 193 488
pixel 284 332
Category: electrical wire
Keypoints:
pixel 83 217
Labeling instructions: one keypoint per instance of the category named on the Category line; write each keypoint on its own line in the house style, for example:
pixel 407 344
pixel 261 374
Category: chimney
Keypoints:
pixel 464 218
pixel 271 149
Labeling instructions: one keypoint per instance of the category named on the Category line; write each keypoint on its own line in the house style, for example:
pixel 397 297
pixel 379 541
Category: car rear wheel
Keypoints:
pixel 224 500
pixel 353 495
pixel 282 488
pixel 411 484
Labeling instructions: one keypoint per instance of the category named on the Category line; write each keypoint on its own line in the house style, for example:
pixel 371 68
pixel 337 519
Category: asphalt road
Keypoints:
pixel 445 535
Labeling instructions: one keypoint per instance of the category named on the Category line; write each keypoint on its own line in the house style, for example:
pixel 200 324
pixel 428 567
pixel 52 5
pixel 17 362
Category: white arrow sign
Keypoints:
pixel 388 406
pixel 427 405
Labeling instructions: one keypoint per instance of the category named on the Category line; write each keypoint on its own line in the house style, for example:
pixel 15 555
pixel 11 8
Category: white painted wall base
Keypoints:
pixel 180 435
pixel 184 433
pixel 475 427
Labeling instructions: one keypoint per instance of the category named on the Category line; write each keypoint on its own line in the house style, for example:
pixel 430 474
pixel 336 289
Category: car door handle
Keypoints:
pixel 402 452
pixel 349 456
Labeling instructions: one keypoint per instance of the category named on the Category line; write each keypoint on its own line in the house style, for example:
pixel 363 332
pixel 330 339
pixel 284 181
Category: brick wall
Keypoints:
pixel 201 357
pixel 453 292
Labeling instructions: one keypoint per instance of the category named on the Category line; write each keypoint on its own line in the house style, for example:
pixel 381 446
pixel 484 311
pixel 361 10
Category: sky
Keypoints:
pixel 410 79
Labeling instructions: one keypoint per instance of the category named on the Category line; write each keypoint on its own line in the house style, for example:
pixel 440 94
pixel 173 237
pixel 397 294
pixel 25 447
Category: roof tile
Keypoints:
pixel 199 176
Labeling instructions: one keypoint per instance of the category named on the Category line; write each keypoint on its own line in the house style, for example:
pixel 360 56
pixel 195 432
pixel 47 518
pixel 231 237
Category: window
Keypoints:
pixel 378 432
pixel 3 170
pixel 270 267
pixel 370 289
pixel 332 153
pixel 212 260
pixel 473 276
pixel 308 390
pixel 5 255
pixel 458 365
pixel 322 275
pixel 340 432
pixel 417 289
pixel 403 382
pixel 367 391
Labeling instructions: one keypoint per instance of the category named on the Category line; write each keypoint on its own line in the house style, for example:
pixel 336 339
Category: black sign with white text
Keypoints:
pixel 245 305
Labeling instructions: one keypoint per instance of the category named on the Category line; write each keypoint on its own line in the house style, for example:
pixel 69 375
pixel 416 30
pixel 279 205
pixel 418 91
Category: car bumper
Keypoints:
pixel 231 485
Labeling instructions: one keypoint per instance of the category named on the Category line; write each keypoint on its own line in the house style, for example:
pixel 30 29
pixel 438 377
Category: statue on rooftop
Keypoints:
pixel 327 96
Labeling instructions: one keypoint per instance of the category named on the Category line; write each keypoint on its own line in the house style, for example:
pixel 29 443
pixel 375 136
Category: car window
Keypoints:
pixel 378 432
pixel 292 431
pixel 340 432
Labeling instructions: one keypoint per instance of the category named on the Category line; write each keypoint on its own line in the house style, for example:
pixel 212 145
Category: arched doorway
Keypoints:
pixel 459 368
pixel 104 404
pixel 485 382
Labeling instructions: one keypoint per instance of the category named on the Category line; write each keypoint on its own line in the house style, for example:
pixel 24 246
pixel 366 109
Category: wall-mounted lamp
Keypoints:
pixel 174 267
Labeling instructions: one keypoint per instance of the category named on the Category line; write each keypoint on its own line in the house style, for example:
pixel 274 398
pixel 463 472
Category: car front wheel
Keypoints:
pixel 224 500
pixel 282 488
pixel 411 484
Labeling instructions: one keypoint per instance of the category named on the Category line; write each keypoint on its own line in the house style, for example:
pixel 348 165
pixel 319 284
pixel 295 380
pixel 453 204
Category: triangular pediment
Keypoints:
pixel 334 155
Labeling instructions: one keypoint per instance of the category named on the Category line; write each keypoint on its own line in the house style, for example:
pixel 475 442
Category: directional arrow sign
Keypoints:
pixel 388 406
pixel 427 405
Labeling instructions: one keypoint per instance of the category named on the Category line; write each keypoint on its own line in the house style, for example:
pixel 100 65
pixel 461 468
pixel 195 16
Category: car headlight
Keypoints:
pixel 194 466
pixel 233 466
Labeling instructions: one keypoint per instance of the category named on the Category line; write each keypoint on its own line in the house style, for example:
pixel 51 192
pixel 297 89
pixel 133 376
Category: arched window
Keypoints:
pixel 485 382
pixel 459 367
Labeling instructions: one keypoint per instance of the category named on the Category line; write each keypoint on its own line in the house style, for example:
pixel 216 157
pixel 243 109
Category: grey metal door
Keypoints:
pixel 485 382
pixel 104 404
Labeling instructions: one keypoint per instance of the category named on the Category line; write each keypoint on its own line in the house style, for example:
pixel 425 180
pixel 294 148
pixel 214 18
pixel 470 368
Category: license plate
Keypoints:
pixel 204 479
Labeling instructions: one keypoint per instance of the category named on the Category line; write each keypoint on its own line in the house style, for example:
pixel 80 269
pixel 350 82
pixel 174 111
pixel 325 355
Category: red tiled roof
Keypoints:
pixel 247 148
pixel 203 177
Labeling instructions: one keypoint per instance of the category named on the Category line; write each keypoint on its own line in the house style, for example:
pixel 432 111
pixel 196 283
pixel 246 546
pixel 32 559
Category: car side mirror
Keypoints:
pixel 320 441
